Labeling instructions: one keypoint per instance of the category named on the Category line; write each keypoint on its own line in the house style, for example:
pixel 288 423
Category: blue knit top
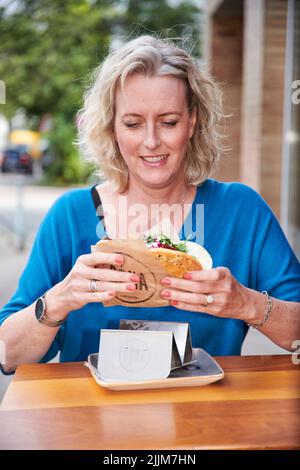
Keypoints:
pixel 237 228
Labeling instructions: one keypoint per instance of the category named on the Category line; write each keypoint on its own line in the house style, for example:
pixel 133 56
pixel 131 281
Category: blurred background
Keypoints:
pixel 48 49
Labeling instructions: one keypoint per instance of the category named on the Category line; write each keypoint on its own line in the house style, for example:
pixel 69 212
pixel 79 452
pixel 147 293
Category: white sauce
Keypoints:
pixel 200 254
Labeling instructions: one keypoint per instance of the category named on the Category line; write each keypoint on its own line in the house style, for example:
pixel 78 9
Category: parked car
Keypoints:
pixel 16 159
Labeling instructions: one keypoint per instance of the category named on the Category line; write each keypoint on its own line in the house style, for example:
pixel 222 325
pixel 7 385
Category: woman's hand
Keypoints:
pixel 228 297
pixel 74 291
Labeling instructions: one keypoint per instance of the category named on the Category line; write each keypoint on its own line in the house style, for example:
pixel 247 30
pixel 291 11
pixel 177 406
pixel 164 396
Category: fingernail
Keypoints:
pixel 119 260
pixel 166 282
pixel 166 293
pixel 187 276
pixel 130 287
pixel 174 302
pixel 134 278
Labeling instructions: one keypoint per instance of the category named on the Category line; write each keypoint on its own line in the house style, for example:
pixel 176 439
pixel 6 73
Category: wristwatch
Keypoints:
pixel 40 313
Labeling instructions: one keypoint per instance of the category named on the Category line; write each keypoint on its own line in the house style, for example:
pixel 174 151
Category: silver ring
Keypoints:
pixel 93 285
pixel 209 299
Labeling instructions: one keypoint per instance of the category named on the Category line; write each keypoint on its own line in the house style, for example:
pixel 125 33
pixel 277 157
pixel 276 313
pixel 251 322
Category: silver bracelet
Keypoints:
pixel 267 314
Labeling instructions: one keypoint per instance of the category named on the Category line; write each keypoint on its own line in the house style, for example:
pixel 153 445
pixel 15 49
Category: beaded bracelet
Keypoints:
pixel 267 314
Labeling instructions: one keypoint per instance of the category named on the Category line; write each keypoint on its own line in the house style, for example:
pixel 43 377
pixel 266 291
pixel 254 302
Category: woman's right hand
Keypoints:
pixel 74 291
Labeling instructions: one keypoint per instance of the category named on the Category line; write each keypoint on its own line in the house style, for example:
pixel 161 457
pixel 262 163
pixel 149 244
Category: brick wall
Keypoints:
pixel 247 53
pixel 273 101
pixel 226 67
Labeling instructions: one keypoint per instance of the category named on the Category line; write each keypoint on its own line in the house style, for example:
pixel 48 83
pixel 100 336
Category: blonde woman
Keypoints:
pixel 150 122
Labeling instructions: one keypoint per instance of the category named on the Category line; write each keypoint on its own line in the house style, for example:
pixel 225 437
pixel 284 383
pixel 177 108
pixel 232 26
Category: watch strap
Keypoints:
pixel 44 320
pixel 54 323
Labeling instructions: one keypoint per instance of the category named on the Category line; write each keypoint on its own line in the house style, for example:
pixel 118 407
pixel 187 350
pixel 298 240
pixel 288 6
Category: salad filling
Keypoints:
pixel 164 242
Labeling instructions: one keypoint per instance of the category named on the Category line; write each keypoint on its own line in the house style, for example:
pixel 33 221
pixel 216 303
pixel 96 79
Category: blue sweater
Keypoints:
pixel 240 232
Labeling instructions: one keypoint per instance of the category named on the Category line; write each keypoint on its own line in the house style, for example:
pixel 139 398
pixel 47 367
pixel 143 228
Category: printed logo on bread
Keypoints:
pixel 152 258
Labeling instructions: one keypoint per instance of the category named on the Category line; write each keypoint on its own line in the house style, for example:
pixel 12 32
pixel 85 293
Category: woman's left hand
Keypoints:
pixel 214 291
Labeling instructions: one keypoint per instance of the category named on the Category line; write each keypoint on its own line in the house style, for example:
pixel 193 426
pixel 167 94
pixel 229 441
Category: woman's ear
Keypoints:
pixel 193 120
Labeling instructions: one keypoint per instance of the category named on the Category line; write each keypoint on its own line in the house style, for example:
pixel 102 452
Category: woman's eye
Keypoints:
pixel 131 125
pixel 170 123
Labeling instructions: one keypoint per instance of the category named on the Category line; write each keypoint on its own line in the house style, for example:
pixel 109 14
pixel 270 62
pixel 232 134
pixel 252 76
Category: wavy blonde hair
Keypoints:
pixel 154 57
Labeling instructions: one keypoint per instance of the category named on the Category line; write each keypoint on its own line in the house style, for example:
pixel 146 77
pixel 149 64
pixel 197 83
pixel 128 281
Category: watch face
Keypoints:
pixel 39 308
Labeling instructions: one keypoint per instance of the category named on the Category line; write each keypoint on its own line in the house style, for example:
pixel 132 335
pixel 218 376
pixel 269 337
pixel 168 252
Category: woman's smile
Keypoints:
pixel 155 161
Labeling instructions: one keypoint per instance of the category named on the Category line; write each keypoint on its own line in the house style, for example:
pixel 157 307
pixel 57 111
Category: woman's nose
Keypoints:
pixel 151 139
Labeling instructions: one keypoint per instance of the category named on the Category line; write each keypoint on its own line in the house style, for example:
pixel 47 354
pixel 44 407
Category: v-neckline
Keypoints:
pixel 98 204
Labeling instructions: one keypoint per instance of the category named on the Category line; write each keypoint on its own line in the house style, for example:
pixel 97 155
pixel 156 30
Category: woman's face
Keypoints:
pixel 152 127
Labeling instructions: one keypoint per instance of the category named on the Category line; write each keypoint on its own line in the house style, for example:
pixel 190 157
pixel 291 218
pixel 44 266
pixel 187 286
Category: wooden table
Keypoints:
pixel 60 406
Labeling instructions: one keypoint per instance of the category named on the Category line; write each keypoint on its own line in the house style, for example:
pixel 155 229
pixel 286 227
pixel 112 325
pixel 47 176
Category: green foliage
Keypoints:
pixel 68 166
pixel 48 49
pixel 169 19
